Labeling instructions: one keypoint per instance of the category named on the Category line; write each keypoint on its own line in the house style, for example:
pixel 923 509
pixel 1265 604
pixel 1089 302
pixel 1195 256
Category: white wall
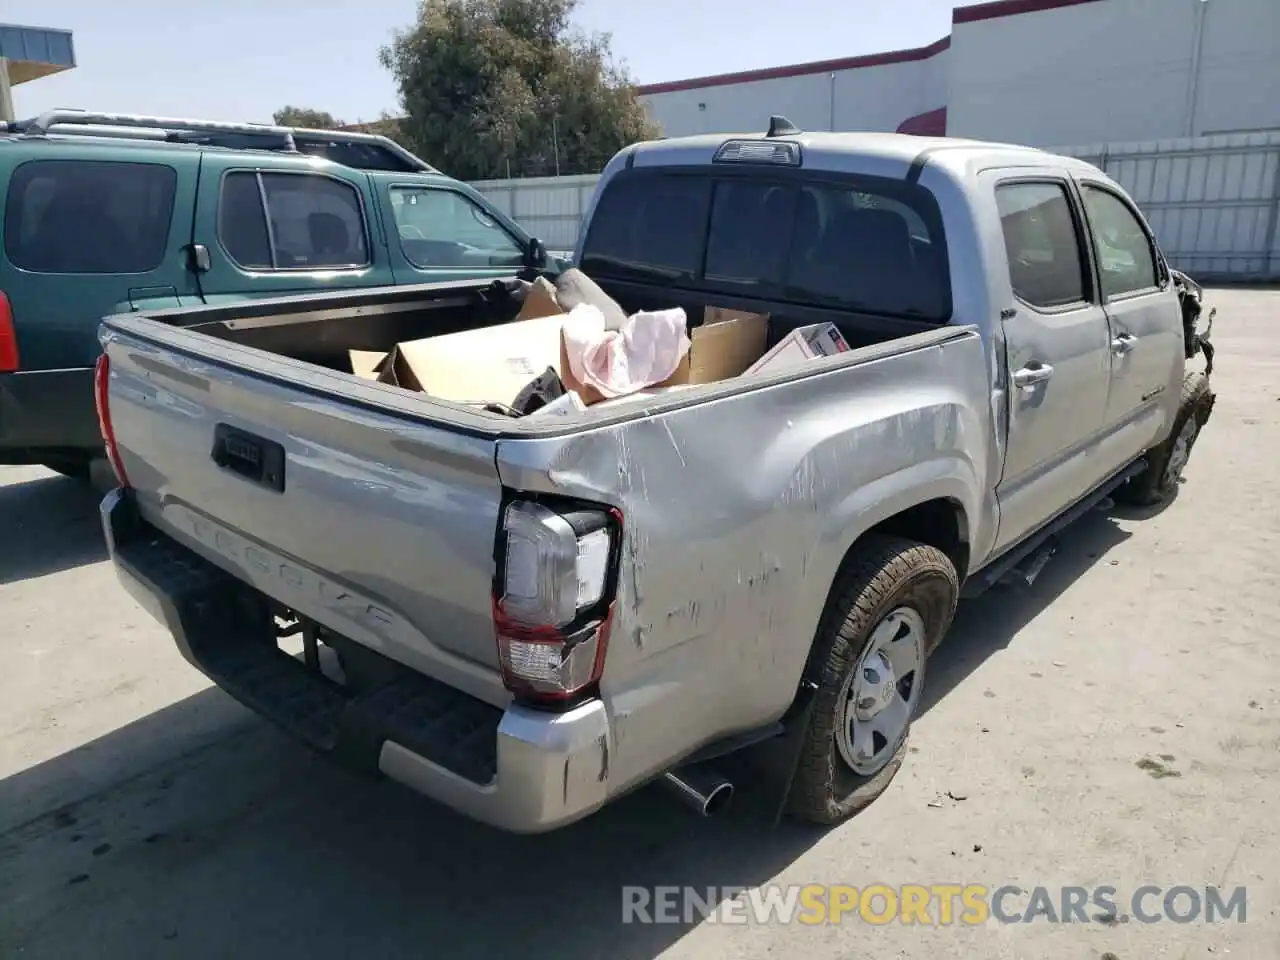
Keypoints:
pixel 1240 67
pixel 1106 71
pixel 1099 71
pixel 743 107
pixel 878 99
pixel 874 98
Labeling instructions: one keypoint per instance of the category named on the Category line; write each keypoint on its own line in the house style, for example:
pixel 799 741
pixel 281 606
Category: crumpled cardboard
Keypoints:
pixel 539 301
pixel 725 346
pixel 477 367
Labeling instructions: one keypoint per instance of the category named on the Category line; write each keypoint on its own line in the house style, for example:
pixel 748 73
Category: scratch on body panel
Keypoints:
pixel 674 445
pixel 604 757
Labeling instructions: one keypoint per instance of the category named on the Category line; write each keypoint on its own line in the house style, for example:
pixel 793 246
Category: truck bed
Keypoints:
pixel 382 524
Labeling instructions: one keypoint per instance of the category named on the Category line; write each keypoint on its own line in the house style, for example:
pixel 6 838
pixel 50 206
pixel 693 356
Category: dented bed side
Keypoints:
pixel 737 514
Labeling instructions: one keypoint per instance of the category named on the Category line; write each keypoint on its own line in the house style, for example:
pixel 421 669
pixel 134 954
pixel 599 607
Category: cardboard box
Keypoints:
pixel 365 363
pixel 540 301
pixel 800 346
pixel 490 365
pixel 725 346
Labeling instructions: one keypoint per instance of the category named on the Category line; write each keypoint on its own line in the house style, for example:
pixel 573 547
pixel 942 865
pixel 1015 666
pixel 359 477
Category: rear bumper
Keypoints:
pixel 518 769
pixel 47 413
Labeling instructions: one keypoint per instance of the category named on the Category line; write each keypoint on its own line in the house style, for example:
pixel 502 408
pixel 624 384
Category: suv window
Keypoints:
pixel 1125 257
pixel 74 216
pixel 1046 265
pixel 308 222
pixel 876 247
pixel 444 228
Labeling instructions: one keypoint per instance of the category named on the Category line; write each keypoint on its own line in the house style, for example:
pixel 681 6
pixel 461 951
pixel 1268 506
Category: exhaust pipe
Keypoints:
pixel 705 792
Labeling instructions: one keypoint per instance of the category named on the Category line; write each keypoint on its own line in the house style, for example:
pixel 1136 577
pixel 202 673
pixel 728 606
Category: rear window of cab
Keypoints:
pixel 870 245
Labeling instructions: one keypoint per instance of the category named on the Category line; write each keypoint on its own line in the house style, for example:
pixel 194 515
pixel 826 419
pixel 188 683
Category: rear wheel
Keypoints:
pixel 1166 463
pixel 889 608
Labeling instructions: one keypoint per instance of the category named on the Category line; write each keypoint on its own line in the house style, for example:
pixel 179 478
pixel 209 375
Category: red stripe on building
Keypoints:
pixel 931 124
pixel 971 14
pixel 1009 8
pixel 799 69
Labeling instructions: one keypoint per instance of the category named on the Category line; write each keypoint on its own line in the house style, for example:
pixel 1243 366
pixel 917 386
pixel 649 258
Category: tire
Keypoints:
pixel 1165 463
pixel 882 577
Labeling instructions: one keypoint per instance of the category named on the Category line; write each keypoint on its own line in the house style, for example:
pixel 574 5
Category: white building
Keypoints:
pixel 1039 72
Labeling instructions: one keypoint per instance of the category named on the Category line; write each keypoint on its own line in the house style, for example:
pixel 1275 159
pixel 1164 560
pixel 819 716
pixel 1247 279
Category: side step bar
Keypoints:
pixel 1031 547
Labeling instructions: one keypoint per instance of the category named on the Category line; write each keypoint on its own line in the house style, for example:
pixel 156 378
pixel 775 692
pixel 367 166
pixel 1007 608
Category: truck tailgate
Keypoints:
pixel 332 496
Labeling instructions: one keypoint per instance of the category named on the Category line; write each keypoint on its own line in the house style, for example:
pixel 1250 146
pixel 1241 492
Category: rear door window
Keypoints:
pixel 76 216
pixel 291 221
pixel 1046 263
pixel 875 247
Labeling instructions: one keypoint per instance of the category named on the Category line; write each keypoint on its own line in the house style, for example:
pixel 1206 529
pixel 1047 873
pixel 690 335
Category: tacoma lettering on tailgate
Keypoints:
pixel 291 583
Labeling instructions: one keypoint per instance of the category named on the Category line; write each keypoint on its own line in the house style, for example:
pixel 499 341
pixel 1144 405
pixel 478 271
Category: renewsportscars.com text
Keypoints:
pixel 939 904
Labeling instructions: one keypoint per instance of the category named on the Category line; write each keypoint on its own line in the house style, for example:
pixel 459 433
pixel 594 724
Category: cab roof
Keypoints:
pixel 888 154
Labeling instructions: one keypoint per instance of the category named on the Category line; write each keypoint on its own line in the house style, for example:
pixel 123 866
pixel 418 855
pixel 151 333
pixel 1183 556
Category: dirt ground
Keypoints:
pixel 1116 724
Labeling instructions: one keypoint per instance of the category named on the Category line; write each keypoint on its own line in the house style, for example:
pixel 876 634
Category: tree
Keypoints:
pixel 385 126
pixel 493 88
pixel 305 117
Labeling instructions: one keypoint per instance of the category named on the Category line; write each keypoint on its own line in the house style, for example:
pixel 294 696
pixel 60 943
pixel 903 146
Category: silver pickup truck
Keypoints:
pixel 528 618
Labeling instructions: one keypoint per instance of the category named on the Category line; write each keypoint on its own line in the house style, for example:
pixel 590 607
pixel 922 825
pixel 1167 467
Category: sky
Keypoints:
pixel 244 59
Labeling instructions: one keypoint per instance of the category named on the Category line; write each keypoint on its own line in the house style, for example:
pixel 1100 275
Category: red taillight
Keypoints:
pixel 553 598
pixel 8 337
pixel 547 663
pixel 101 399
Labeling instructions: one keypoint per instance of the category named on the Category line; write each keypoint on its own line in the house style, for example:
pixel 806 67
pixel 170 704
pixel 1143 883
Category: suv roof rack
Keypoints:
pixel 365 151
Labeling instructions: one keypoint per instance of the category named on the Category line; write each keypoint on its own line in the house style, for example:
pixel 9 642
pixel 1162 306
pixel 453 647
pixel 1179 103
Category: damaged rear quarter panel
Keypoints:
pixel 738 511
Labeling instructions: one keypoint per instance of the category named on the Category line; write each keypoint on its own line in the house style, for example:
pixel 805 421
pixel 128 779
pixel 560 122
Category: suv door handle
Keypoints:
pixel 1123 343
pixel 198 259
pixel 1030 376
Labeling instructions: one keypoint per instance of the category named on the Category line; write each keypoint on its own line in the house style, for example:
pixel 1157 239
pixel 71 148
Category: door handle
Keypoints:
pixel 198 259
pixel 1123 343
pixel 1028 377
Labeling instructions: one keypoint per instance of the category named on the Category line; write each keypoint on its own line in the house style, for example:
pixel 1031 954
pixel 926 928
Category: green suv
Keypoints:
pixel 110 213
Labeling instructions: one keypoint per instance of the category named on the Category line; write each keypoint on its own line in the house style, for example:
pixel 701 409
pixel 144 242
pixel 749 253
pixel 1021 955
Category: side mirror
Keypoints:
pixel 536 254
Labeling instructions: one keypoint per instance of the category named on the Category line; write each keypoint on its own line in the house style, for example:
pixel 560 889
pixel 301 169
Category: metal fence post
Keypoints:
pixel 1273 221
pixel 584 198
